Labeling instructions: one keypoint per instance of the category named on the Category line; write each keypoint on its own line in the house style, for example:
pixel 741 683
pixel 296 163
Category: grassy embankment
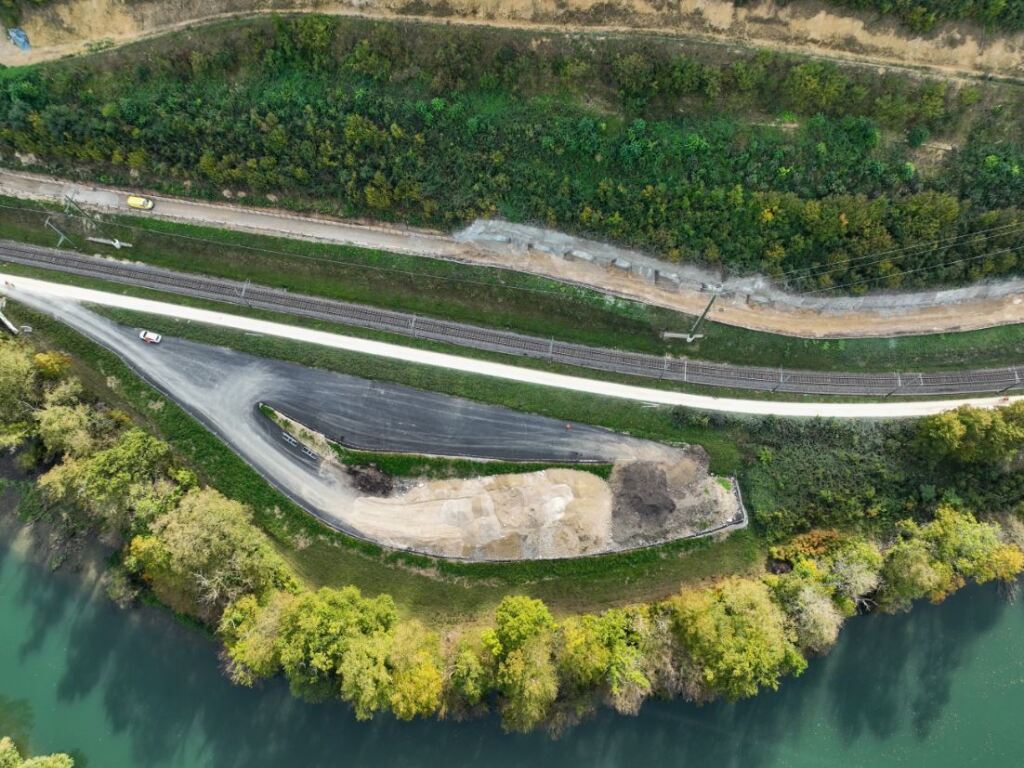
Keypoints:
pixel 407 465
pixel 498 298
pixel 443 592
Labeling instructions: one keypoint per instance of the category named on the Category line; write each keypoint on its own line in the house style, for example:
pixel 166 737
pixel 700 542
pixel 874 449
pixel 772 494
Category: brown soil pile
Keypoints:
pixel 655 502
pixel 371 480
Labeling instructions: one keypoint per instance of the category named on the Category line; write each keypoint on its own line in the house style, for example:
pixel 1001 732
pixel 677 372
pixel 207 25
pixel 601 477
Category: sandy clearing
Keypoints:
pixel 552 513
pixel 811 28
pixel 17 286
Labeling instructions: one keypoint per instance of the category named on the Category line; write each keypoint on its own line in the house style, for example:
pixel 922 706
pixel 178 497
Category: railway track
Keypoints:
pixel 681 370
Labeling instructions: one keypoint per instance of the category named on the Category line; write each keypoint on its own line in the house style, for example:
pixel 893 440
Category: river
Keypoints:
pixel 941 686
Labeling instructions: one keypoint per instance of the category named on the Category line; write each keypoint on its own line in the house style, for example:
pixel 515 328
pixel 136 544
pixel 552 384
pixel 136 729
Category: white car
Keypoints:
pixel 151 338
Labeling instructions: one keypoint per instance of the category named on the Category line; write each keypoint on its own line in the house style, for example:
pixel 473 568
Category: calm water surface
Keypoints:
pixel 942 686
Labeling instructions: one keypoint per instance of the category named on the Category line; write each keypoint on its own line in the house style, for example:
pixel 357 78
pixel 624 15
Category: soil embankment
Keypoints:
pixel 747 302
pixel 961 50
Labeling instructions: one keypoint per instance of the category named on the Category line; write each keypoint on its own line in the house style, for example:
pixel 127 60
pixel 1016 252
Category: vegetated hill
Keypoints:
pixel 820 176
pixel 923 15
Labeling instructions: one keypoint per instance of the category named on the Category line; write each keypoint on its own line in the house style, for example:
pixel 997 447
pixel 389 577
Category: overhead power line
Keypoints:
pixel 950 263
pixel 898 253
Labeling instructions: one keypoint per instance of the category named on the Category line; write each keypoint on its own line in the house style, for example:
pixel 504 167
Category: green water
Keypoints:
pixel 942 686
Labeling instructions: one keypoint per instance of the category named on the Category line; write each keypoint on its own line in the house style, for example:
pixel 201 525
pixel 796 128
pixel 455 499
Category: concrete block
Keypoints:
pixel 574 254
pixel 649 274
pixel 667 280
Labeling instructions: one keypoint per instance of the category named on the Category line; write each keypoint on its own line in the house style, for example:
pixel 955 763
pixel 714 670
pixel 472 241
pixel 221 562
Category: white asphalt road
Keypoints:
pixel 14 284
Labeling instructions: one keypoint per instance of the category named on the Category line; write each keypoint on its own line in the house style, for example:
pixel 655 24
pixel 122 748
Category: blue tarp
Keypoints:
pixel 18 37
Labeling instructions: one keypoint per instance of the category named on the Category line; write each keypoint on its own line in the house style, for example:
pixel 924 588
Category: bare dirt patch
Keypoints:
pixel 553 513
pixel 807 27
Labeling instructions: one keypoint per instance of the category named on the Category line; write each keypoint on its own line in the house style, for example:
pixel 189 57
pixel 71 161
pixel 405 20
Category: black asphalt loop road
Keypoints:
pixel 222 388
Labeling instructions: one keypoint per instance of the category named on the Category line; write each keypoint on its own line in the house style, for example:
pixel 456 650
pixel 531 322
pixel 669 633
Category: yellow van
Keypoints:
pixel 139 203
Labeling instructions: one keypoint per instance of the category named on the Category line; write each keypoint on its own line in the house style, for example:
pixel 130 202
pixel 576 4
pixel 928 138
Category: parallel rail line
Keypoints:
pixel 683 370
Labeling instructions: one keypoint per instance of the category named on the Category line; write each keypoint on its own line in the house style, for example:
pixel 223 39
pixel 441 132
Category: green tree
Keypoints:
pixel 51 365
pixel 470 677
pixel 205 552
pixel 415 662
pixel 911 572
pixel 250 633
pixel 605 654
pixel 736 637
pixel 66 429
pixel 807 601
pixel 972 548
pixel 318 630
pixel 934 559
pixel 970 435
pixel 18 393
pixel 112 484
pixel 364 675
pixel 520 646
pixel 854 571
pixel 11 758
pixel 528 683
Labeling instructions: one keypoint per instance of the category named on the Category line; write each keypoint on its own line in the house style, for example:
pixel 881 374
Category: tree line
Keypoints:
pixel 687 157
pixel 10 757
pixel 201 553
pixel 924 15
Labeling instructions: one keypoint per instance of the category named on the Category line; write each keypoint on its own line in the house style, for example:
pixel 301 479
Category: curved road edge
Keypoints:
pixel 15 284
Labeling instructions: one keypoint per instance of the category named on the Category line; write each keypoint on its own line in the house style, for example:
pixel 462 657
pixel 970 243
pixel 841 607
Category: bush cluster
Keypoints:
pixel 686 157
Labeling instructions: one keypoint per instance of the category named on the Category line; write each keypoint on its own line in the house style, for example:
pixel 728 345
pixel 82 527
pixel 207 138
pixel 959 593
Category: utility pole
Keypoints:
pixel 782 380
pixel 69 203
pixel 1016 381
pixel 63 237
pixel 692 335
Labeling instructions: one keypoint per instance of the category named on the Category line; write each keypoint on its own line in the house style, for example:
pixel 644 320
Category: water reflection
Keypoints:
pixel 16 720
pixel 160 688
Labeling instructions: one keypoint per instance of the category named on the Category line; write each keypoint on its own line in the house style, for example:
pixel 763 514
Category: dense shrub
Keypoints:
pixel 445 125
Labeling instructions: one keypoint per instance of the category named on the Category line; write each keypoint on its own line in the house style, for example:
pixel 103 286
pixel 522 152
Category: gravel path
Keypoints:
pixel 749 302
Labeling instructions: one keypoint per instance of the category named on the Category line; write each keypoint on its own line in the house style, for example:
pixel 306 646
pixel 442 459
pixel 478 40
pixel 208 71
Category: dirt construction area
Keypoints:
pixel 556 512
pixel 553 513
pixel 67 27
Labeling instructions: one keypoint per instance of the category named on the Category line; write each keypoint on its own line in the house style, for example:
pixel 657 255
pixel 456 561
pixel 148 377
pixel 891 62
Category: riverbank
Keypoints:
pixel 210 557
pixel 123 689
